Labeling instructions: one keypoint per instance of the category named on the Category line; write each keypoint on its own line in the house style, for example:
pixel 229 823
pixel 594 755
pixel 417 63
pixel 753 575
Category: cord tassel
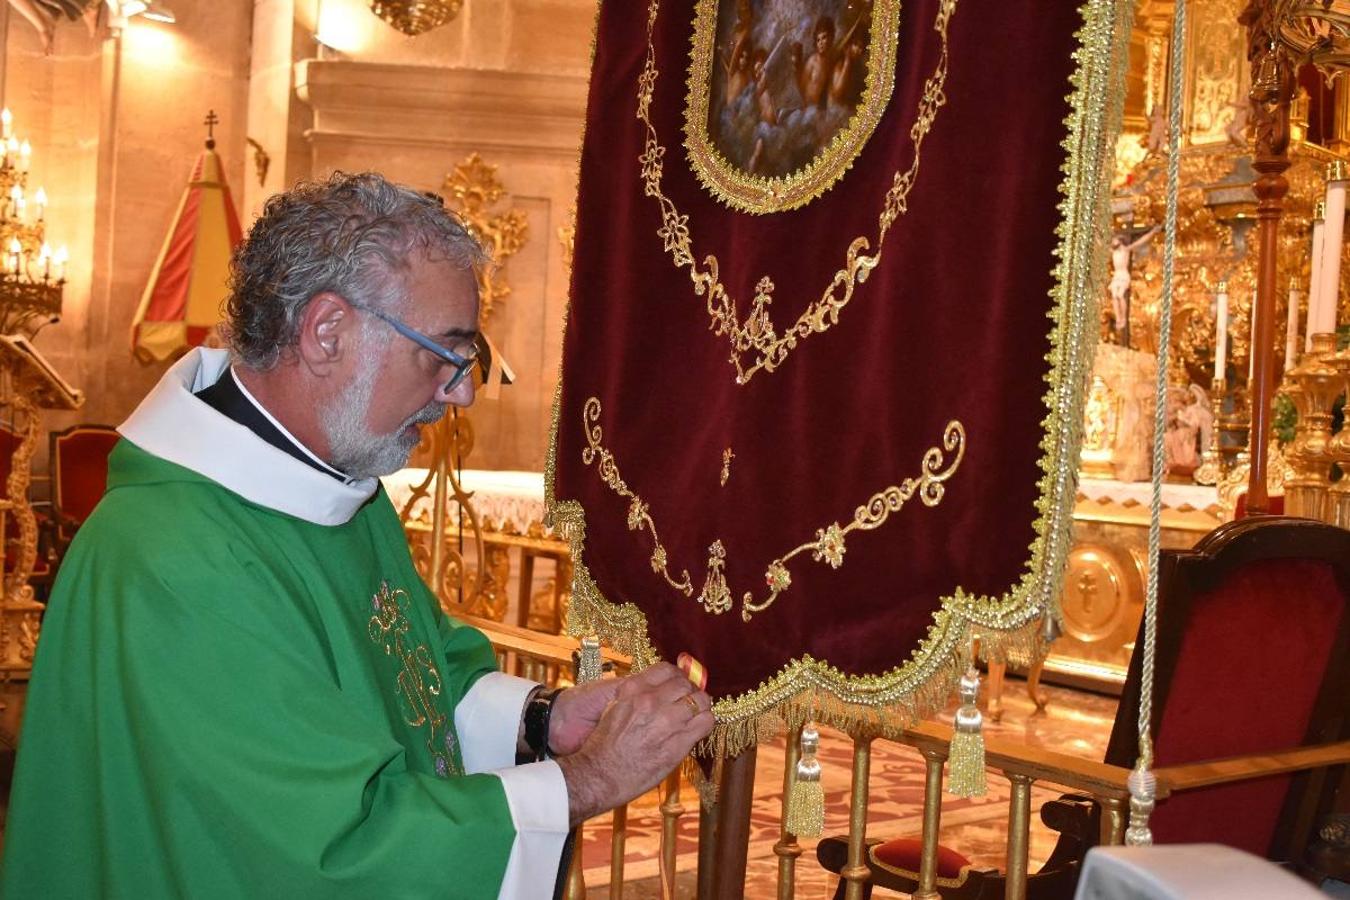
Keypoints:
pixel 1143 786
pixel 965 762
pixel 806 802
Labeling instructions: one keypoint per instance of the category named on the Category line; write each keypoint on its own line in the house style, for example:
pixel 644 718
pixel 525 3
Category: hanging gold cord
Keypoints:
pixel 1143 784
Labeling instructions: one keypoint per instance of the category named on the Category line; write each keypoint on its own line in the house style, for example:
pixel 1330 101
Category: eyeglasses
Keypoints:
pixel 462 365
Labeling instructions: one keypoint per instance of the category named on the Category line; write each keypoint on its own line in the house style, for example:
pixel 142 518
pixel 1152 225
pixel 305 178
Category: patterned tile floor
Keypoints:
pixel 1074 722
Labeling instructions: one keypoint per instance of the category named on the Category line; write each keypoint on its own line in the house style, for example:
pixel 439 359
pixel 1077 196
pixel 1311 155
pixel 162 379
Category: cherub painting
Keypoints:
pixel 788 75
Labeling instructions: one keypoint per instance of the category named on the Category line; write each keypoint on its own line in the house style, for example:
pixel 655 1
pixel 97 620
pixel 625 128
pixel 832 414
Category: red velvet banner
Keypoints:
pixel 748 397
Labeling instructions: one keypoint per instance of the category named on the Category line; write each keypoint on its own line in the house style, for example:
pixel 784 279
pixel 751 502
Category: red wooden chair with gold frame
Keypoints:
pixel 1253 658
pixel 79 467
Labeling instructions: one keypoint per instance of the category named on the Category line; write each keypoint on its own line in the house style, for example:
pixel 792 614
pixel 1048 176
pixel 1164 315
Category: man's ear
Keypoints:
pixel 327 327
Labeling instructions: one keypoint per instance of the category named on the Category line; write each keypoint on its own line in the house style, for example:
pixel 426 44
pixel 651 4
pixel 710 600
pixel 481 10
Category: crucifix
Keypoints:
pixel 210 122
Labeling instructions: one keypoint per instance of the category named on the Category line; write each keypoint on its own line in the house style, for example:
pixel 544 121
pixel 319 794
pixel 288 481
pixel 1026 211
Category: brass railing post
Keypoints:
pixel 856 872
pixel 1019 835
pixel 617 846
pixel 787 849
pixel 671 810
pixel 1113 820
pixel 934 755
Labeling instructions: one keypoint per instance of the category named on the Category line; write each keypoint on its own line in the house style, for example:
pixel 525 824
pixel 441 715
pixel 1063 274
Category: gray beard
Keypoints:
pixel 358 452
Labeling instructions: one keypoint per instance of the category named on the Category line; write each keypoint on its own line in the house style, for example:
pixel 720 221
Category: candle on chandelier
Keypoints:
pixel 25 156
pixel 1331 253
pixel 60 260
pixel 16 201
pixel 6 122
pixel 1291 330
pixel 45 257
pixel 1221 334
pixel 40 199
pixel 14 249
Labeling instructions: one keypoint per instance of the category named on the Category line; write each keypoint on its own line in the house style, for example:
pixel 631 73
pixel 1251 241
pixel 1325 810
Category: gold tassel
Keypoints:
pixel 590 666
pixel 806 803
pixel 965 764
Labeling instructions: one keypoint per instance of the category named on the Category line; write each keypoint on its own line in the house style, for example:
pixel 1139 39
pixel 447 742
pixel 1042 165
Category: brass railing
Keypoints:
pixel 547 658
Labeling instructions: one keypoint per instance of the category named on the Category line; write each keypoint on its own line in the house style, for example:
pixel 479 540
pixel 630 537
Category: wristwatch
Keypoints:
pixel 538 712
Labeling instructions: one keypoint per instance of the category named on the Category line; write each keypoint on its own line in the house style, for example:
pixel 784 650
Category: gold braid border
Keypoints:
pixel 1007 625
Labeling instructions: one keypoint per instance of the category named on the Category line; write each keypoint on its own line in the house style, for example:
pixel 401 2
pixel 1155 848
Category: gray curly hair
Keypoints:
pixel 350 234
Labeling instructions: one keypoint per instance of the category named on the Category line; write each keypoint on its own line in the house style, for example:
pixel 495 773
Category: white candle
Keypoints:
pixel 45 257
pixel 41 199
pixel 1315 282
pixel 1221 334
pixel 26 157
pixel 14 249
pixel 1291 331
pixel 6 122
pixel 1331 252
pixel 60 259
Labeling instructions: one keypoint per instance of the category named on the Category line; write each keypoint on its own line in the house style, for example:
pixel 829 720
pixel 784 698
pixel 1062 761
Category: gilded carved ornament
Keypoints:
pixel 473 189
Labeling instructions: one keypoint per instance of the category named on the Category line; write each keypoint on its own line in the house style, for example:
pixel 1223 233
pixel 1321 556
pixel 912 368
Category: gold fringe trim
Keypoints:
pixel 1008 625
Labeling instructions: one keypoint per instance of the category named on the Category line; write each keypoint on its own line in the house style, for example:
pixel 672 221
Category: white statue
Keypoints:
pixel 1121 253
pixel 1156 139
pixel 1187 421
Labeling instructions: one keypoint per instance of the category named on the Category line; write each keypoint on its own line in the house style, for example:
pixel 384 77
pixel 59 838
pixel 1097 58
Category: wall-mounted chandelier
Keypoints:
pixel 32 275
pixel 412 17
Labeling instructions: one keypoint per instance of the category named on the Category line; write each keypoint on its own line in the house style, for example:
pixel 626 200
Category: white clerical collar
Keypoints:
pixel 178 427
pixel 299 445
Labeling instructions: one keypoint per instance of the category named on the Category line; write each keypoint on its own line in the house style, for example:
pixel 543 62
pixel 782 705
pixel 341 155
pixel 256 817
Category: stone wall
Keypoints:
pixel 116 129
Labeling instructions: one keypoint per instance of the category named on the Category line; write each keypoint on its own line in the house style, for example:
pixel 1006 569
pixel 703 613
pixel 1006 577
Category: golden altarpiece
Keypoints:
pixel 1216 262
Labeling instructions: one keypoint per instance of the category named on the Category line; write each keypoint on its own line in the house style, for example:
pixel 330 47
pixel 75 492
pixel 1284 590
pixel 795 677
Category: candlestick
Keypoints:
pixel 14 248
pixel 26 156
pixel 1331 252
pixel 60 260
pixel 41 200
pixel 45 257
pixel 1221 334
pixel 1291 330
pixel 6 122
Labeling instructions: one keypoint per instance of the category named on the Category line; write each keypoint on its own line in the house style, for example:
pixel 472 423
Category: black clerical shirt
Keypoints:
pixel 229 398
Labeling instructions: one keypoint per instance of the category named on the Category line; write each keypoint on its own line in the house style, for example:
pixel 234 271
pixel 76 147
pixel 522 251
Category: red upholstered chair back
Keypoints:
pixel 1251 658
pixel 79 465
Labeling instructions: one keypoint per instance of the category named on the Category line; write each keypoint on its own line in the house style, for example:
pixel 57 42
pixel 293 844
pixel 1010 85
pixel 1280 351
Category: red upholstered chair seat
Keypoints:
pixel 902 855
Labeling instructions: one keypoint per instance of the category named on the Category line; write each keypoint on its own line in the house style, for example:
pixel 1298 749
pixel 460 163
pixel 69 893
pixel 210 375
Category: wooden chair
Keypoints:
pixel 1253 658
pixel 79 467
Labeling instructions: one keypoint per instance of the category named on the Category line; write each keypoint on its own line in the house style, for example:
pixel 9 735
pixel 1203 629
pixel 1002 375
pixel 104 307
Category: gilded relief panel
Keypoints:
pixel 1217 69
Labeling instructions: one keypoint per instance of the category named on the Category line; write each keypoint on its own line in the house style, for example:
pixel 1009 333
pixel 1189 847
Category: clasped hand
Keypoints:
pixel 615 739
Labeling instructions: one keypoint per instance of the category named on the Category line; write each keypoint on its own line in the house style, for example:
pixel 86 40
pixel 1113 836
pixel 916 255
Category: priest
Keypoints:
pixel 243 688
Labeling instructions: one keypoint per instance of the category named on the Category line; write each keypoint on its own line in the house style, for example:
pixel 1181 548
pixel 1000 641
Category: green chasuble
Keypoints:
pixel 230 700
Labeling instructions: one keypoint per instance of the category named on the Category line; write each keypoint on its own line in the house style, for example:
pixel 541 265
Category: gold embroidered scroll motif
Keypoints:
pixel 419 681
pixel 828 546
pixel 783 97
pixel 757 336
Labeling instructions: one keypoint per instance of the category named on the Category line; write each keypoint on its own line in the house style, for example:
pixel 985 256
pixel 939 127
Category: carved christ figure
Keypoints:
pixel 1121 254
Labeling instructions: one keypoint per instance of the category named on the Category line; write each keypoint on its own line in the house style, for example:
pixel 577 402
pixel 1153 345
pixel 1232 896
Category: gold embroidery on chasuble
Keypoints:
pixel 756 342
pixel 418 683
pixel 828 545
